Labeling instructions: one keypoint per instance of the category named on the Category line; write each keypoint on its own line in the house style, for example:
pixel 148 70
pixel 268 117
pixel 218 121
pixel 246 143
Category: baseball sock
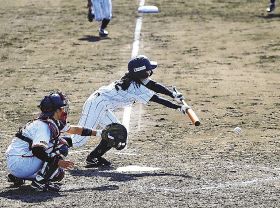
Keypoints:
pixel 100 150
pixel 104 23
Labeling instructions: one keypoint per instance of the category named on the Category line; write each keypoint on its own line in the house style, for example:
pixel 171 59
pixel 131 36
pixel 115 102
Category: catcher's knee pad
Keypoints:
pixel 59 176
pixel 49 169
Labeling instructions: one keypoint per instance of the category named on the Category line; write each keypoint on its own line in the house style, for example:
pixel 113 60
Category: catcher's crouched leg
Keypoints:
pixel 59 175
pixel 46 175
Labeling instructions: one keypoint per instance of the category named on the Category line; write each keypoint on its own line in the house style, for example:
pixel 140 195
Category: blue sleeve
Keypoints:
pixel 159 88
pixel 164 102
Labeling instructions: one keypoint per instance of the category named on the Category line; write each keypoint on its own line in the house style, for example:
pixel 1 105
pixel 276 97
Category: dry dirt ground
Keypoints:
pixel 222 55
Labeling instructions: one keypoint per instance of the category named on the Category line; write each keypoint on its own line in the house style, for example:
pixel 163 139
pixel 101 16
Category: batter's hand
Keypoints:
pixel 65 164
pixel 177 96
pixel 183 108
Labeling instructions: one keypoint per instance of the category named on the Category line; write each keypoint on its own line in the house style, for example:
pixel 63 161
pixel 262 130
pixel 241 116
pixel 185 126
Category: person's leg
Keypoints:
pixel 106 6
pixel 97 8
pixel 94 110
pixel 22 168
pixel 271 6
pixel 95 158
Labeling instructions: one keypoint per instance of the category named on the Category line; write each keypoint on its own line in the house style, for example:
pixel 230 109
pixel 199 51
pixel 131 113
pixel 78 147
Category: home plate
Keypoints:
pixel 135 168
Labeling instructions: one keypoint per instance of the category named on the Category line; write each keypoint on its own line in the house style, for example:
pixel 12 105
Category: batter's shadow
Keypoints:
pixel 92 38
pixel 122 177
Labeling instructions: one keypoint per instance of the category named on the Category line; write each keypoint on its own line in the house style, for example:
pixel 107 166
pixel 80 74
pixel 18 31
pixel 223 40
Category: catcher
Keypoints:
pixel 37 151
pixel 134 86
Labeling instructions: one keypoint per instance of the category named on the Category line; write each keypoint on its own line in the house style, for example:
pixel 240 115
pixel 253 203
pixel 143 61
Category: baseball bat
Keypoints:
pixel 192 115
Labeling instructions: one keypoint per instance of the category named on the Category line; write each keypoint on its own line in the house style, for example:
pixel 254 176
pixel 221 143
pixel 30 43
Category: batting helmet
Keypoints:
pixel 140 65
pixel 50 103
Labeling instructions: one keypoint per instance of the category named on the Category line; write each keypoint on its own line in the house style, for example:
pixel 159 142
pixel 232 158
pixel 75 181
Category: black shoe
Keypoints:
pixel 90 16
pixel 103 33
pixel 17 181
pixel 44 186
pixel 97 162
pixel 271 8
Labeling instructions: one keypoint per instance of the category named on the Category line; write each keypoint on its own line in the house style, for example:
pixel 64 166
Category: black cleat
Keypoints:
pixel 103 33
pixel 97 162
pixel 17 181
pixel 44 186
pixel 271 8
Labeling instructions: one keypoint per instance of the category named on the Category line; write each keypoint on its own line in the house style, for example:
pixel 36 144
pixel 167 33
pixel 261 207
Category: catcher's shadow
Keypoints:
pixel 92 38
pixel 28 194
pixel 121 177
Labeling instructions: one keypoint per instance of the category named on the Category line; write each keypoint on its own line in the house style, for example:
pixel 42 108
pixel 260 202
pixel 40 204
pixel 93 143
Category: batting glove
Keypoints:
pixel 183 108
pixel 177 96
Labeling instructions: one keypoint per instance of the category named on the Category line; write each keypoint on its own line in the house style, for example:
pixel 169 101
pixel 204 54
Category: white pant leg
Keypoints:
pixel 107 9
pixel 94 111
pixel 97 8
pixel 108 119
pixel 24 167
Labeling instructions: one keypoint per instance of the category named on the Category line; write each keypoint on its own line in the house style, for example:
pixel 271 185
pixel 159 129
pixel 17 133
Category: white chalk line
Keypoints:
pixel 124 152
pixel 135 50
pixel 220 186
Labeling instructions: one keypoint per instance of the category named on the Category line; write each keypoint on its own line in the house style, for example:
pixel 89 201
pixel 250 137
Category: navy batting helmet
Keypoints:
pixel 141 64
pixel 49 104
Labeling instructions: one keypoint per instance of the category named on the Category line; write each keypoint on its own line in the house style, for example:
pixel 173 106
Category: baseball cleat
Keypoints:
pixel 17 181
pixel 44 186
pixel 97 162
pixel 103 33
pixel 271 8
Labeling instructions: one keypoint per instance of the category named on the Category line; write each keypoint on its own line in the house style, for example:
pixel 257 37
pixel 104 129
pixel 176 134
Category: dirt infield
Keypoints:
pixel 222 55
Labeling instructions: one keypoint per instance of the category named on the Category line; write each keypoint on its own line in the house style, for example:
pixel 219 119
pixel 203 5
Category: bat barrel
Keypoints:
pixel 197 123
pixel 192 115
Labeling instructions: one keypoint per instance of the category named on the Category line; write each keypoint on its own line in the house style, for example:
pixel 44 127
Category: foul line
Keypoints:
pixel 221 186
pixel 135 49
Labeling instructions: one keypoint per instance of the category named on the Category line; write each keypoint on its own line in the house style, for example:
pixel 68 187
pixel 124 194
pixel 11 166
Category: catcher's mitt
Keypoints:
pixel 116 135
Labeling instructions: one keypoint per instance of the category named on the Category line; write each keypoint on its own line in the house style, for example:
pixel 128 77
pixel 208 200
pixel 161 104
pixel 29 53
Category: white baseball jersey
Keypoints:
pixel 102 9
pixel 20 160
pixel 97 110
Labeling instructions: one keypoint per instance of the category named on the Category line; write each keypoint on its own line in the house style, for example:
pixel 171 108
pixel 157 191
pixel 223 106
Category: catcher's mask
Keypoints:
pixel 141 67
pixel 51 103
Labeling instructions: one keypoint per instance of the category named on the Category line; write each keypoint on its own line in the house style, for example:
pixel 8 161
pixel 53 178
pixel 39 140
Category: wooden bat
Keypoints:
pixel 190 112
pixel 192 115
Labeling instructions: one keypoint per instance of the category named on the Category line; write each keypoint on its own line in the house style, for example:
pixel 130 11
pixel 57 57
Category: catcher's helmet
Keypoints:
pixel 140 65
pixel 50 103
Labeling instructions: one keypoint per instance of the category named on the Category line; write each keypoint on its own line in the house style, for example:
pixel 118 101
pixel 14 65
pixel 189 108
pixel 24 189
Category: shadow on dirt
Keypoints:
pixel 269 16
pixel 100 188
pixel 28 194
pixel 121 177
pixel 91 38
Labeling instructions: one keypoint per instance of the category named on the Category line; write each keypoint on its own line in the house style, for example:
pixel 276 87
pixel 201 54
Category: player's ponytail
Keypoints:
pixel 126 80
